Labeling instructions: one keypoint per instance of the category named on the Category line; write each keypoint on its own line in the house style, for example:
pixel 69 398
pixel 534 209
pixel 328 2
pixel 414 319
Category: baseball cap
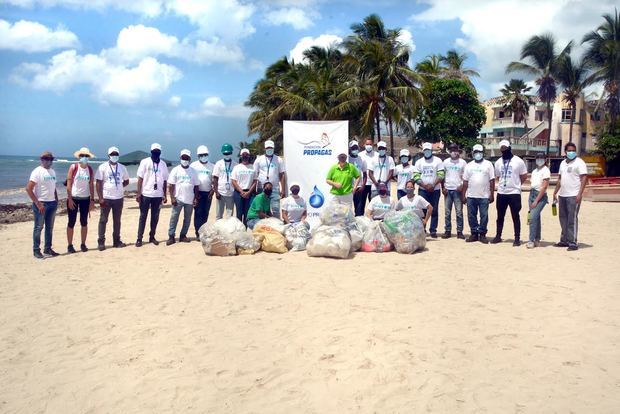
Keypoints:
pixel 381 144
pixel 453 146
pixel 113 149
pixel 404 152
pixel 47 154
pixel 244 151
pixel 541 155
pixel 504 143
pixel 353 143
pixel 269 144
pixel 478 147
pixel 427 145
pixel 186 152
pixel 155 146
pixel 202 150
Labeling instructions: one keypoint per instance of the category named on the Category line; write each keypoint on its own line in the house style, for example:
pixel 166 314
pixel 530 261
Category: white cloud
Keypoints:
pixel 305 43
pixel 298 18
pixel 110 83
pixel 33 37
pixel 214 106
pixel 174 101
pixel 406 38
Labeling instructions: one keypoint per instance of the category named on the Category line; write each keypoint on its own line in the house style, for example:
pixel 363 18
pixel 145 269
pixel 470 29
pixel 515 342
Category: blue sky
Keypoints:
pixel 98 73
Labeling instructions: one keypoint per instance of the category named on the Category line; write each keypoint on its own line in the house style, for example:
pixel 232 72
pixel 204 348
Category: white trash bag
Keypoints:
pixel 329 241
pixel 297 236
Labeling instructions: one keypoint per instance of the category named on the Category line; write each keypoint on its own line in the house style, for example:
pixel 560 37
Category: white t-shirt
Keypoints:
pixel 509 174
pixel 378 206
pixel 294 207
pixel 454 173
pixel 361 166
pixel 45 180
pixel 403 174
pixel 417 204
pixel 80 188
pixel 184 180
pixel 204 172
pixel 478 176
pixel 269 170
pixel 112 177
pixel 381 168
pixel 570 173
pixel 369 159
pixel 152 173
pixel 223 171
pixel 244 175
pixel 428 169
pixel 538 175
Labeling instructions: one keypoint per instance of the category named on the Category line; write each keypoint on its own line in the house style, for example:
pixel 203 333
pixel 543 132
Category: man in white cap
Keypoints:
pixel 368 156
pixel 112 178
pixel 511 172
pixel 270 168
pixel 204 171
pixel 152 191
pixel 358 192
pixel 428 174
pixel 404 172
pixel 382 169
pixel 478 192
pixel 452 188
pixel 183 187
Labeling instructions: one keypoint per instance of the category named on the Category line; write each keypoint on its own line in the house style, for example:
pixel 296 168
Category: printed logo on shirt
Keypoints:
pixel 49 178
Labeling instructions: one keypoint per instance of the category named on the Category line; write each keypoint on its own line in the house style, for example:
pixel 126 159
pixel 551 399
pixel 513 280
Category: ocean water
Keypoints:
pixel 15 171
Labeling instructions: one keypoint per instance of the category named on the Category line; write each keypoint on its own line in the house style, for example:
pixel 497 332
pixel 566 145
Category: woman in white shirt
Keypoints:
pixel 243 179
pixel 294 206
pixel 416 203
pixel 380 204
pixel 80 196
pixel 539 182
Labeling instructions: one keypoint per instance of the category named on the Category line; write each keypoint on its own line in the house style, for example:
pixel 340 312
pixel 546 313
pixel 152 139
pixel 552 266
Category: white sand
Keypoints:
pixel 457 328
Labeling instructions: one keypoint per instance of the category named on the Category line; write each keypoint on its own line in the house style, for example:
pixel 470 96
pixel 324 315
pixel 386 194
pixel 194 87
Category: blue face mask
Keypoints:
pixel 540 162
pixel 368 148
pixel 477 156
pixel 204 159
pixel 428 153
pixel 83 160
pixel 269 152
pixel 571 155
pixel 404 159
pixel 382 152
pixel 355 152
pixel 227 157
pixel 114 158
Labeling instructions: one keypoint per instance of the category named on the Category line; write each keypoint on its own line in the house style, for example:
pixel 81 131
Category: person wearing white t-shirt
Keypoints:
pixel 111 180
pixel 270 168
pixel 403 172
pixel 368 156
pixel 568 194
pixel 510 172
pixel 428 174
pixel 381 170
pixel 359 198
pixel 452 187
pixel 294 208
pixel 41 189
pixel 380 204
pixel 183 185
pixel 243 178
pixel 152 191
pixel 204 171
pixel 222 183
pixel 539 181
pixel 80 196
pixel 415 203
pixel 478 193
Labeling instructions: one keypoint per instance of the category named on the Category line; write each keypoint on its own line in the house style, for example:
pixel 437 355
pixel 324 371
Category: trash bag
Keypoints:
pixel 356 230
pixel 375 240
pixel 216 243
pixel 297 236
pixel 273 241
pixel 246 243
pixel 405 230
pixel 228 225
pixel 329 241
pixel 271 222
pixel 336 214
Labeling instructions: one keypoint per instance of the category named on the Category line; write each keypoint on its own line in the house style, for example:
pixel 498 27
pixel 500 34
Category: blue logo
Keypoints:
pixel 316 198
pixel 317 146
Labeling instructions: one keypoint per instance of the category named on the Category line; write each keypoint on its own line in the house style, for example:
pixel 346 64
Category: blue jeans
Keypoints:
pixel 201 211
pixel 433 198
pixel 454 198
pixel 174 218
pixel 535 222
pixel 47 219
pixel 242 205
pixel 252 223
pixel 473 206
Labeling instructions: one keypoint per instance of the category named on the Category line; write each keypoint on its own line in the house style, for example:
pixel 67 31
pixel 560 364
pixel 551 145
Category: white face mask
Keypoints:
pixel 114 158
pixel 204 159
pixel 368 148
pixel 404 159
pixel 477 156
pixel 227 157
pixel 269 152
pixel 540 162
pixel 185 163
pixel 382 152
pixel 84 160
pixel 354 152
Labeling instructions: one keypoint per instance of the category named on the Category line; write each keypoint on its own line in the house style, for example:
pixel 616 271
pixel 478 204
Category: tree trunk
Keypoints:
pixel 378 125
pixel 573 111
pixel 391 136
pixel 549 126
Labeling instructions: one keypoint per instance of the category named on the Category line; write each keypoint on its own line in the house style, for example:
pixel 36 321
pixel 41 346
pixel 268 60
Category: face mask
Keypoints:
pixel 355 152
pixel 507 154
pixel 404 160
pixel 454 154
pixel 245 158
pixel 410 191
pixel 368 148
pixel 155 155
pixel 428 153
pixel 477 156
pixel 84 160
pixel 382 192
pixel 227 157
pixel 185 163
pixel 295 190
pixel 382 152
pixel 269 152
pixel 204 159
pixel 571 155
pixel 267 191
pixel 46 163
pixel 114 159
pixel 540 162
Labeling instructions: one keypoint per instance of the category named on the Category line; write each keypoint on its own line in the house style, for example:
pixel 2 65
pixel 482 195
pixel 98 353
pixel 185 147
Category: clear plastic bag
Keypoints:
pixel 405 230
pixel 216 243
pixel 375 240
pixel 336 215
pixel 297 236
pixel 329 241
pixel 246 243
pixel 356 230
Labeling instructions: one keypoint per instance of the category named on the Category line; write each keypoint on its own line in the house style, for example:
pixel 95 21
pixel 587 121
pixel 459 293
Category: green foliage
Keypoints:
pixel 608 145
pixel 452 114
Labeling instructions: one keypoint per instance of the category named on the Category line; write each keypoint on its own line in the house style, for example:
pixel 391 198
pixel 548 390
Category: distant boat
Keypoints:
pixel 134 158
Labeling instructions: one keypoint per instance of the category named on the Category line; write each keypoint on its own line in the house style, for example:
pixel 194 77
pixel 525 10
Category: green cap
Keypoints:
pixel 227 148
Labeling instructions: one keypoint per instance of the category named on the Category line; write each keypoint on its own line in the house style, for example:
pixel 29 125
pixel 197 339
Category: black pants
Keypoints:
pixel 153 204
pixel 359 202
pixel 201 211
pixel 82 205
pixel 503 202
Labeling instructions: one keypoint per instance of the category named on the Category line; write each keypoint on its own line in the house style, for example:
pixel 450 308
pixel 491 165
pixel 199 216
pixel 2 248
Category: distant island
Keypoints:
pixel 134 158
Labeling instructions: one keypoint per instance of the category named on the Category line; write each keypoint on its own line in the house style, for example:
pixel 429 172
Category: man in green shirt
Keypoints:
pixel 343 178
pixel 261 206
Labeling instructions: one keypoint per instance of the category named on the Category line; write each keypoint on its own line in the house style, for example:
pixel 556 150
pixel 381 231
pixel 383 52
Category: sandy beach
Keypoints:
pixel 457 328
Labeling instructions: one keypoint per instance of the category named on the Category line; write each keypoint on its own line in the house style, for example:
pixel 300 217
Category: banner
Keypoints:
pixel 311 148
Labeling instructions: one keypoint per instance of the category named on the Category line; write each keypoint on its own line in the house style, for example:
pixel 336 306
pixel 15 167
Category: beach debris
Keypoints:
pixel 375 240
pixel 222 237
pixel 405 230
pixel 272 240
pixel 297 236
pixel 329 241
pixel 272 223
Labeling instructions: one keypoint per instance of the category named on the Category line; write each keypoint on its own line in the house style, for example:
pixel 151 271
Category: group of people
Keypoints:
pixel 256 190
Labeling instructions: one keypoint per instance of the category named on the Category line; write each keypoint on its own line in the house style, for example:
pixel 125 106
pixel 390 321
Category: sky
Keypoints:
pixel 127 73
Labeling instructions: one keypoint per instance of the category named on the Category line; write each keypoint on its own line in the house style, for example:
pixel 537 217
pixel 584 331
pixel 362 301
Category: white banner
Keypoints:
pixel 311 148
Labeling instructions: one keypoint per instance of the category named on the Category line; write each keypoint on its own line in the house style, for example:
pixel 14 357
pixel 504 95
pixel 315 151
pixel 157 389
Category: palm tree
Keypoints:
pixel 455 66
pixel 574 79
pixel 603 54
pixel 542 62
pixel 431 66
pixel 516 101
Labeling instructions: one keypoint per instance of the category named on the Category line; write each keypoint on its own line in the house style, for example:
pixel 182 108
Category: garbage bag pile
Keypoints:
pixel 375 240
pixel 329 241
pixel 297 236
pixel 221 237
pixel 405 230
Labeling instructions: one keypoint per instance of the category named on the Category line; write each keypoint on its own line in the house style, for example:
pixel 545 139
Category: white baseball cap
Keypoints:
pixel 269 144
pixel 155 146
pixel 245 151
pixel 202 150
pixel 404 152
pixel 504 143
pixel 353 143
pixel 293 184
pixel 427 145
pixel 478 147
pixel 381 144
pixel 113 149
pixel 186 152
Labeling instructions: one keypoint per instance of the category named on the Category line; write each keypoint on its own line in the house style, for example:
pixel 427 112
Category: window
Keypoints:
pixel 567 115
pixel 483 135
pixel 499 134
pixel 501 114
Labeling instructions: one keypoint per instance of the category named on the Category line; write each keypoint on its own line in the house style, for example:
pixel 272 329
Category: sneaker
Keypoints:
pixel 483 239
pixel 50 252
pixel 139 243
pixel 460 235
pixel 154 241
pixel 472 238
pixel 119 244
pixel 101 247
pixel 170 241
pixel 560 244
pixel 536 243
pixel 434 235
pixel 184 239
pixel 446 235
pixel 572 247
pixel 496 240
pixel 516 243
pixel 37 254
pixel 70 249
pixel 531 245
pixel 83 248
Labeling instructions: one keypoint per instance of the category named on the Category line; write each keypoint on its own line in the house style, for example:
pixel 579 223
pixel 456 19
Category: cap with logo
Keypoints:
pixel 478 148
pixel 404 152
pixel 112 150
pixel 155 146
pixel 427 146
pixel 202 150
pixel 504 143
pixel 269 144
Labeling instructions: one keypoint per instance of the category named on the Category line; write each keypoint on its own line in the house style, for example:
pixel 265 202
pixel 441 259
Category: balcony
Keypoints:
pixel 520 146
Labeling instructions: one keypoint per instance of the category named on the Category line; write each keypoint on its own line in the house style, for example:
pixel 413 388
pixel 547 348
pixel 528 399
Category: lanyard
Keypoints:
pixel 227 170
pixel 114 173
pixel 381 167
pixel 268 163
pixel 506 166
